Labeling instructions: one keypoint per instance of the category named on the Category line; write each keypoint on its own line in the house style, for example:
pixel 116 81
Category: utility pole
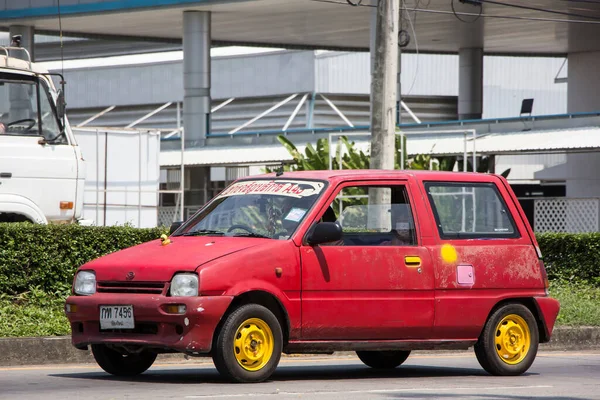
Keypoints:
pixel 384 85
pixel 383 105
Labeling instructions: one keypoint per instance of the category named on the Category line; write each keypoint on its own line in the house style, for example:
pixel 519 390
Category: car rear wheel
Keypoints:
pixel 383 359
pixel 118 364
pixel 248 347
pixel 509 342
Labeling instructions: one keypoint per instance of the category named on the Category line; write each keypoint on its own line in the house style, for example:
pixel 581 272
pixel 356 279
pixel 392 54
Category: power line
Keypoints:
pixel 513 17
pixel 582 1
pixel 594 21
pixel 60 30
pixel 569 14
pixel 412 26
pixel 345 3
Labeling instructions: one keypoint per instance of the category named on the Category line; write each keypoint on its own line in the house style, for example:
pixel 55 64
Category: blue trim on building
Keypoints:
pixel 100 7
pixel 401 126
pixel 498 120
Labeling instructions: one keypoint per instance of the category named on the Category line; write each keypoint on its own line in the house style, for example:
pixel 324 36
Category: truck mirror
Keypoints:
pixel 60 104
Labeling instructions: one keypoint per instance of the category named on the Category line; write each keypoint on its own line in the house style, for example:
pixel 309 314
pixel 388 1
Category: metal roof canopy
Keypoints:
pixel 330 24
pixel 576 140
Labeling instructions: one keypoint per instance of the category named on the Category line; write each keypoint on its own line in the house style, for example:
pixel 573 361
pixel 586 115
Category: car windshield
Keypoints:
pixel 270 209
pixel 26 107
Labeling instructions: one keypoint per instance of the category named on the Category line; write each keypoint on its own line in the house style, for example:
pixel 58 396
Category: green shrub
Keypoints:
pixel 37 263
pixel 572 257
pixel 46 256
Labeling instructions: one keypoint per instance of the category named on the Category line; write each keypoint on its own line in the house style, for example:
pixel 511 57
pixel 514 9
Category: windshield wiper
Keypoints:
pixel 202 232
pixel 252 235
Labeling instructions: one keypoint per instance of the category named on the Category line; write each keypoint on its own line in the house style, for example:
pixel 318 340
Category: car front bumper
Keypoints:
pixel 190 332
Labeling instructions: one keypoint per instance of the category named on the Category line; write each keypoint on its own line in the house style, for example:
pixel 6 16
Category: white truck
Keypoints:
pixel 42 170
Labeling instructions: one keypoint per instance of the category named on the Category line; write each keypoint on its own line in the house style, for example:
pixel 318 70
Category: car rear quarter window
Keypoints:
pixel 470 211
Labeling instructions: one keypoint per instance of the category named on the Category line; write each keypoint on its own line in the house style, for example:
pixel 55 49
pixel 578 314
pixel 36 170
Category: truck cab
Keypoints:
pixel 41 167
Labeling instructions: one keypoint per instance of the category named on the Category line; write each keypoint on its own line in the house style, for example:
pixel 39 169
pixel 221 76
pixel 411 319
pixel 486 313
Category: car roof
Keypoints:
pixel 355 174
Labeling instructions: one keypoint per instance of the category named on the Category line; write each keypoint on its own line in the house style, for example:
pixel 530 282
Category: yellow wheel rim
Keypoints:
pixel 513 339
pixel 253 344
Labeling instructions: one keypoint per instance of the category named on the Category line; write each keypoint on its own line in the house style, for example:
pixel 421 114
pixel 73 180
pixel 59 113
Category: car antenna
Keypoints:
pixel 279 171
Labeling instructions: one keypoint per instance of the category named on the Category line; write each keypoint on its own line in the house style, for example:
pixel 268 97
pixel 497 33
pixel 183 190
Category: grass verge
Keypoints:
pixel 36 313
pixel 579 303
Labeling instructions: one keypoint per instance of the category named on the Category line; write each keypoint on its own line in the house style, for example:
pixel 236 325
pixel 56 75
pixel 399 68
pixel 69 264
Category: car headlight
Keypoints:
pixel 85 283
pixel 184 285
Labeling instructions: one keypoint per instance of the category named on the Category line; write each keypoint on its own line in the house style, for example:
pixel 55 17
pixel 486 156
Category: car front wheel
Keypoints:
pixel 509 341
pixel 248 347
pixel 119 364
pixel 383 359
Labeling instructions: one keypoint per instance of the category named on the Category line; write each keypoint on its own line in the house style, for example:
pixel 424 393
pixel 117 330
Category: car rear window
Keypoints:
pixel 470 211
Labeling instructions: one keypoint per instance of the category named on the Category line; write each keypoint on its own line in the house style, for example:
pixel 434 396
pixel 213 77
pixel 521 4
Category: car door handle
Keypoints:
pixel 6 175
pixel 412 261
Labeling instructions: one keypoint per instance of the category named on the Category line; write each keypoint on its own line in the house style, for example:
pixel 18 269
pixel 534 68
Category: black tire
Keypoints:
pixel 488 352
pixel 383 359
pixel 224 355
pixel 117 364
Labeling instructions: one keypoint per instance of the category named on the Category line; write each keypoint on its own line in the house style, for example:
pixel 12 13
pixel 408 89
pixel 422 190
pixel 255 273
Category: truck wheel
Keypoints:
pixel 509 341
pixel 383 359
pixel 118 364
pixel 249 345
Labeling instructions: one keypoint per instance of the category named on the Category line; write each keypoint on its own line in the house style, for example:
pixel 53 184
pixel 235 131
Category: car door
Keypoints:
pixel 378 283
pixel 483 254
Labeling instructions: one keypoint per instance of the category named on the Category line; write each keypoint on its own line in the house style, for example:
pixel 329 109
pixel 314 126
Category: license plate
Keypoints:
pixel 116 317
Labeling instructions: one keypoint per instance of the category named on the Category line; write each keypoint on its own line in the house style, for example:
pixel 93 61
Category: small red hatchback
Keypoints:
pixel 377 262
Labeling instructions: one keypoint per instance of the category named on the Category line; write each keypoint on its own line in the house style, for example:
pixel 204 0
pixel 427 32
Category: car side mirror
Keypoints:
pixel 325 232
pixel 175 226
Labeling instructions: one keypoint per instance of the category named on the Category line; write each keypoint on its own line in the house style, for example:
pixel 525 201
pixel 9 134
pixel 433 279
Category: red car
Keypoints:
pixel 377 262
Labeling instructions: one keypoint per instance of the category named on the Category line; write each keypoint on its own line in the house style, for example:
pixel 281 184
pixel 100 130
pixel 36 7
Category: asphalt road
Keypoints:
pixel 554 375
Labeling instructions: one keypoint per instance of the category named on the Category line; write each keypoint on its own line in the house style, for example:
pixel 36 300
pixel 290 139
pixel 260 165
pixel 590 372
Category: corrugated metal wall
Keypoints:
pixel 242 76
pixel 524 166
pixel 507 80
pixel 432 74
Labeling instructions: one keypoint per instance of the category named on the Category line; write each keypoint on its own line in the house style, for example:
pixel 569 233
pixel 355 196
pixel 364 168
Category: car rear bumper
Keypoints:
pixel 190 333
pixel 548 309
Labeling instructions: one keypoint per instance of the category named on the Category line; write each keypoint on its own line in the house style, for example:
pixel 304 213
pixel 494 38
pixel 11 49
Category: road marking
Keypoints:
pixel 375 391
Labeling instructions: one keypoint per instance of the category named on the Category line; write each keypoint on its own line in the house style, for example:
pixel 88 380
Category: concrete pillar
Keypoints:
pixel 27 32
pixel 196 77
pixel 583 91
pixel 470 83
pixel 583 95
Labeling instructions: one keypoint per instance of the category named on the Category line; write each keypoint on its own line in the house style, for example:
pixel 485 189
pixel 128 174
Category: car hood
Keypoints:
pixel 153 262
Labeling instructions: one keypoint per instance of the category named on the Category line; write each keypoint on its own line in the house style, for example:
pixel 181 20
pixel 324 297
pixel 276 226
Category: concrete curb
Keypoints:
pixel 58 350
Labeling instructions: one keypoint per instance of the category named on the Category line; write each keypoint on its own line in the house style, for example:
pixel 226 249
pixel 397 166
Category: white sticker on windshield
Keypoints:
pixel 295 214
pixel 280 187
